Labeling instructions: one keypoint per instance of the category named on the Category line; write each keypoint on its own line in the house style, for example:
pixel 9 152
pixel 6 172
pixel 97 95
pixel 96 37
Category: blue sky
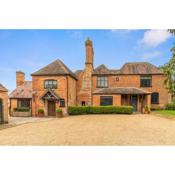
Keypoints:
pixel 30 50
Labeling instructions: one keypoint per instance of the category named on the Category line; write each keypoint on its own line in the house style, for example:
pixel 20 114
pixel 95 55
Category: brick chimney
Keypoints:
pixel 89 55
pixel 20 78
pixel 85 82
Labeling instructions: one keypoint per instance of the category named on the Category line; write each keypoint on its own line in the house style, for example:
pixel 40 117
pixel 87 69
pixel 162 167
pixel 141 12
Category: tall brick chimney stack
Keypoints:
pixel 20 78
pixel 89 54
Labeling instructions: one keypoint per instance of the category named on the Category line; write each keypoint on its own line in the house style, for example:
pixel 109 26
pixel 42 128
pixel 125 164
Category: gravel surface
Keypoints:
pixel 93 130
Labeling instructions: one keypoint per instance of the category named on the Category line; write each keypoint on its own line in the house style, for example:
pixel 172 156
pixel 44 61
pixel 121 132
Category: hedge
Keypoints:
pixel 78 110
pixel 170 106
pixel 21 109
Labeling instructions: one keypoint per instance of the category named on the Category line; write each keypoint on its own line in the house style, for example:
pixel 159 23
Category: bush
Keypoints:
pixel 78 110
pixel 21 109
pixel 170 106
pixel 41 111
pixel 59 110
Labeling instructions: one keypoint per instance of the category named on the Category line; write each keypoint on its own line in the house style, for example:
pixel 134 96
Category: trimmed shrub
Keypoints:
pixel 21 109
pixel 59 110
pixel 79 110
pixel 41 111
pixel 170 106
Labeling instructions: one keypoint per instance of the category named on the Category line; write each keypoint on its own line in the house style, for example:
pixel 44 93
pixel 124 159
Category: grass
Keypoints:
pixel 165 113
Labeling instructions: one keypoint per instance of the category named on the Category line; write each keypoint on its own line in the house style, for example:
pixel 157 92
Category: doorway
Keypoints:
pixel 51 108
pixel 133 102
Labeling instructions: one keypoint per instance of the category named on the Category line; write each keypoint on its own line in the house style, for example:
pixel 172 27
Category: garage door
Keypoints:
pixel 1 112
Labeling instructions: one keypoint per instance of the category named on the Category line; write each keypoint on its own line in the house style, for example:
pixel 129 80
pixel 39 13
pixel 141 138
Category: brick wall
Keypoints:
pixel 134 81
pixel 4 97
pixel 64 83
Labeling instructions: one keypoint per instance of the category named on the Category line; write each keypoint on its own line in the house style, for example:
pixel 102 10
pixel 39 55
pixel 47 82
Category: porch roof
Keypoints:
pixel 121 90
pixel 50 95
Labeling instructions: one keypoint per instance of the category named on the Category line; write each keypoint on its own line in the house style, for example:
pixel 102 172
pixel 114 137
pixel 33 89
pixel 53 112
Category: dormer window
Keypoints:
pixel 102 81
pixel 50 84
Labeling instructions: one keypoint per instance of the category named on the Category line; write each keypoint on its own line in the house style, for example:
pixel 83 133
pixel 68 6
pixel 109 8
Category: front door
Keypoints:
pixel 1 112
pixel 51 108
pixel 133 102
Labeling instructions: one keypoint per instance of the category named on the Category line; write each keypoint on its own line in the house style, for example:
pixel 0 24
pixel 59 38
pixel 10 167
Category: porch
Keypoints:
pixel 125 96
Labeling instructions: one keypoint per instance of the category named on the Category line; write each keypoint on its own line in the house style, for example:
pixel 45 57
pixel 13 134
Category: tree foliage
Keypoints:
pixel 169 71
pixel 172 31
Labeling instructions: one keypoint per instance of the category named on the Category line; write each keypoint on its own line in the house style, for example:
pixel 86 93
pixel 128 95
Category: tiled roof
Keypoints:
pixel 103 70
pixel 140 68
pixel 55 68
pixel 129 68
pixel 23 91
pixel 121 90
pixel 78 71
pixel 2 88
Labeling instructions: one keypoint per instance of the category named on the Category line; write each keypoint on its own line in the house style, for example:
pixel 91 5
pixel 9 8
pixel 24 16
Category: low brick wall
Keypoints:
pixel 21 114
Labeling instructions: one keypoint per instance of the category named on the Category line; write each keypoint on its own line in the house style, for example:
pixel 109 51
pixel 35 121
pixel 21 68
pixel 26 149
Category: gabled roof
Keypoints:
pixel 103 70
pixel 50 95
pixel 129 68
pixel 55 68
pixel 140 68
pixel 2 88
pixel 23 91
pixel 121 90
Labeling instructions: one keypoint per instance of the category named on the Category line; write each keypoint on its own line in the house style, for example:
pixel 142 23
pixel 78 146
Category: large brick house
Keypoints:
pixel 3 104
pixel 55 86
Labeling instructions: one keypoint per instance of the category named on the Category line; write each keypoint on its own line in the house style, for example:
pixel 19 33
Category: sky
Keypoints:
pixel 30 50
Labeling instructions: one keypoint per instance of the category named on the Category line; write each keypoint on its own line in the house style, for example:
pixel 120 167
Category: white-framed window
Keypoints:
pixel 50 84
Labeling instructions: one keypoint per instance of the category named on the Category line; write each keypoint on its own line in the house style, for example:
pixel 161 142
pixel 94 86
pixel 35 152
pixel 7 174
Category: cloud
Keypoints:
pixel 151 55
pixel 153 38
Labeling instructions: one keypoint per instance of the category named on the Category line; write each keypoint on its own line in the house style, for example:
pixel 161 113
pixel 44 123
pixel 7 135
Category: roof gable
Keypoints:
pixel 55 68
pixel 50 95
pixel 2 88
pixel 102 69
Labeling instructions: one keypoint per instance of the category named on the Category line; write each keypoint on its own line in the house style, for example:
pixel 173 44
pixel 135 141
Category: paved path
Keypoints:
pixel 15 121
pixel 93 130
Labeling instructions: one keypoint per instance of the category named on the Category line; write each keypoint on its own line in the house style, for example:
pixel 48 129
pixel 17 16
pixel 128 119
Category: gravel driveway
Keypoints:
pixel 93 130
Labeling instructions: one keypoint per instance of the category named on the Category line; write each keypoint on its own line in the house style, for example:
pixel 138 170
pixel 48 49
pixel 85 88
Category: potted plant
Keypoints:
pixel 146 110
pixel 40 112
pixel 59 112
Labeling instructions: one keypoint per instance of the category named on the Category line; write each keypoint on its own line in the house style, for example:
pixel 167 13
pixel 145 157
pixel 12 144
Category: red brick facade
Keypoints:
pixel 122 86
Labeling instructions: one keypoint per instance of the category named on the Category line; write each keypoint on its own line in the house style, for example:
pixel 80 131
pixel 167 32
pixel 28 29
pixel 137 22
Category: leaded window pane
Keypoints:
pixel 102 81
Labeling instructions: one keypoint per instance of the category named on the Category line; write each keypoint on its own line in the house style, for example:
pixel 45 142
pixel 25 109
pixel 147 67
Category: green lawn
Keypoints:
pixel 165 113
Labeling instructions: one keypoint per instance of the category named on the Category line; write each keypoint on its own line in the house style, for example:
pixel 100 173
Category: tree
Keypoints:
pixel 172 31
pixel 169 71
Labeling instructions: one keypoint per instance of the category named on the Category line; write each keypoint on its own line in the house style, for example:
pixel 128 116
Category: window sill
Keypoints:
pixel 101 87
pixel 145 86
